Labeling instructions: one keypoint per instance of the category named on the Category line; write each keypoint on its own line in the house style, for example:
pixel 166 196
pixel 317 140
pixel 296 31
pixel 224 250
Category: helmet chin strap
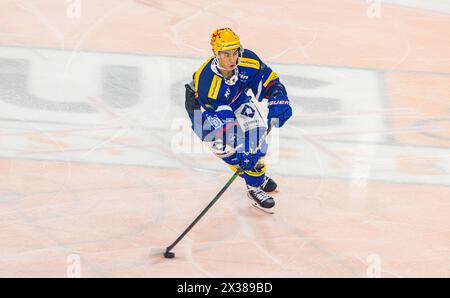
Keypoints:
pixel 233 79
pixel 216 61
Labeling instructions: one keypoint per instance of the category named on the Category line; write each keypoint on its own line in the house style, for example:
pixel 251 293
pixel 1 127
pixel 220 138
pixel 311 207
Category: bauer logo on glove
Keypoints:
pixel 279 111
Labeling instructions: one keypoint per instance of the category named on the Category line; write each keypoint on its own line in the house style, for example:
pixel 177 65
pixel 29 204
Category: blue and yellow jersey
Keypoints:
pixel 215 93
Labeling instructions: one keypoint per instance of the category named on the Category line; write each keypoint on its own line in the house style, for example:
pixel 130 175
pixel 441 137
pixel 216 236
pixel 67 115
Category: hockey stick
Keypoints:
pixel 168 254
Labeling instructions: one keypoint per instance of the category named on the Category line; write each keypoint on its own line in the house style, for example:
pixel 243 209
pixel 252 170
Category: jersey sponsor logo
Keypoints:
pixel 248 111
pixel 227 93
pixel 242 76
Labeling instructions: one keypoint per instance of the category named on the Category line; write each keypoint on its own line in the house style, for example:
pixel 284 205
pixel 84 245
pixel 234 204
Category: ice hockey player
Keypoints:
pixel 219 101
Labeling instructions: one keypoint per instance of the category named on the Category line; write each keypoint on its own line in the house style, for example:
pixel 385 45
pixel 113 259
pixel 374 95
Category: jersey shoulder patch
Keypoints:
pixel 202 70
pixel 214 87
pixel 207 83
pixel 250 59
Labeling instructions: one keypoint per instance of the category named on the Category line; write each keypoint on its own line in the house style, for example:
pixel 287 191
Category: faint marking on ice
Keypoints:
pixel 189 257
pixel 249 232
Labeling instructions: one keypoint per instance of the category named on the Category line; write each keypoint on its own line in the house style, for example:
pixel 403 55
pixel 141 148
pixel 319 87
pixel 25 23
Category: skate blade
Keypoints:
pixel 256 205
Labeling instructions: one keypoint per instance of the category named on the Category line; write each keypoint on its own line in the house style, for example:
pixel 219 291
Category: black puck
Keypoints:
pixel 169 255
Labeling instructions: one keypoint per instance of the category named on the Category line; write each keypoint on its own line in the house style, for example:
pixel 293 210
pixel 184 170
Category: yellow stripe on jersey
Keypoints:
pixel 249 62
pixel 215 87
pixel 273 75
pixel 198 72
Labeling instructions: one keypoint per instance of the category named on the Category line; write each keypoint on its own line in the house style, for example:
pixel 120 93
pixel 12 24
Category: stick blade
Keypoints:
pixel 156 252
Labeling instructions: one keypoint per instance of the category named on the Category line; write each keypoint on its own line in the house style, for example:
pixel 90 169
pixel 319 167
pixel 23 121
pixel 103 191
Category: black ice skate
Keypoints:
pixel 261 200
pixel 268 185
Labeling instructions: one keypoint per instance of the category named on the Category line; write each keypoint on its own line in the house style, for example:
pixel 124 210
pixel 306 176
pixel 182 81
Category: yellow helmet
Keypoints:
pixel 224 39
